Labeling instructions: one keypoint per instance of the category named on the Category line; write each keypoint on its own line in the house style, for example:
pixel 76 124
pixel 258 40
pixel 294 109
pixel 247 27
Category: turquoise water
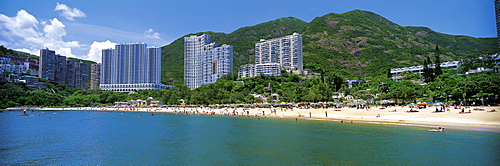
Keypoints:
pixel 125 138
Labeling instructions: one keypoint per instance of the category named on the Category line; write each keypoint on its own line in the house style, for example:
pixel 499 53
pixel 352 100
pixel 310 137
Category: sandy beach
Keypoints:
pixel 479 118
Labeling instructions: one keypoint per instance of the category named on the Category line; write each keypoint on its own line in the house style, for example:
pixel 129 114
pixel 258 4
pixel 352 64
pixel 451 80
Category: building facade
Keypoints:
pixel 131 67
pixel 205 62
pixel 271 56
pixel 47 64
pixel 58 69
pixel 420 69
pixel 247 70
pixel 269 69
pixel 286 51
pixel 95 76
pixel 7 66
pixel 497 16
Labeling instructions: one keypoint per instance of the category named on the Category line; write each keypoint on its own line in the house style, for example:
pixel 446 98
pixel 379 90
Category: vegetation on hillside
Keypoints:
pixel 360 44
pixel 243 41
pixel 11 52
pixel 354 44
pixel 7 51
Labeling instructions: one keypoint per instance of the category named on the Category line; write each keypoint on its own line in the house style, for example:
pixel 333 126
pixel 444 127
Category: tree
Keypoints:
pixel 481 95
pixel 404 90
pixel 428 73
pixel 437 66
pixel 10 94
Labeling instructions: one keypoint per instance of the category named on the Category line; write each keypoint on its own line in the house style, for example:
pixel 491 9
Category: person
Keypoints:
pixel 441 129
pixel 326 114
pixel 309 114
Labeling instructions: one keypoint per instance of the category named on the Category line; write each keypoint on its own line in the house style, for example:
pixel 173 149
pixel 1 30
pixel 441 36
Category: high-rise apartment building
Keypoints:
pixel 497 14
pixel 131 67
pixel 58 69
pixel 95 76
pixel 205 62
pixel 287 51
pixel 47 64
pixel 271 56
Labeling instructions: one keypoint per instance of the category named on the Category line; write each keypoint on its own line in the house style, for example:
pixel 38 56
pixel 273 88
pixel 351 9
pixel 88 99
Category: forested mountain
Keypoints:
pixel 354 44
pixel 243 42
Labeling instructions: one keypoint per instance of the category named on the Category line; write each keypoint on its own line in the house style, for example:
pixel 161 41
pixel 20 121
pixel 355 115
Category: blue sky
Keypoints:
pixel 82 28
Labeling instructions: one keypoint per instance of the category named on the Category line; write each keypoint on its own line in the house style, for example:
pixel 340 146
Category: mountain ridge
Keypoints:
pixel 354 44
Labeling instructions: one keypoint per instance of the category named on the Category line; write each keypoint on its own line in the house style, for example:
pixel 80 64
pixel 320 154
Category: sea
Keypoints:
pixel 133 138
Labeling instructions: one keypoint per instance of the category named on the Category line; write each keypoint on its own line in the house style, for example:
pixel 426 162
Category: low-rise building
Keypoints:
pixel 420 69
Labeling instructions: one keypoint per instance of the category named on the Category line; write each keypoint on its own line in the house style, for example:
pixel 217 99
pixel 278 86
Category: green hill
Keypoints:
pixel 243 41
pixel 355 44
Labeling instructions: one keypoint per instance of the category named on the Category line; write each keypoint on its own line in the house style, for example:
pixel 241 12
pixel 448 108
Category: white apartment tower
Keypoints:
pixel 205 62
pixel 131 67
pixel 286 51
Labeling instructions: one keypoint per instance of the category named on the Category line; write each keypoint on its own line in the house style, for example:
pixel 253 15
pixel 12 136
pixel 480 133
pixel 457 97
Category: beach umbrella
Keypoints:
pixel 437 103
pixel 412 104
pixel 420 103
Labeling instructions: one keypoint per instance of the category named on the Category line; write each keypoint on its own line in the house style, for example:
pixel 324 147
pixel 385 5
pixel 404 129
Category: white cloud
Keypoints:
pixel 23 25
pixel 150 33
pixel 68 12
pixel 23 50
pixel 22 33
pixel 96 50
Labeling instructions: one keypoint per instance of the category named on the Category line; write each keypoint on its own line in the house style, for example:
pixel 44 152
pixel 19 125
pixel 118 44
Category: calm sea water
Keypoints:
pixel 125 138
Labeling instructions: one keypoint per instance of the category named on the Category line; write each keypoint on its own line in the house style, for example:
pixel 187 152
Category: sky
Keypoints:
pixel 82 28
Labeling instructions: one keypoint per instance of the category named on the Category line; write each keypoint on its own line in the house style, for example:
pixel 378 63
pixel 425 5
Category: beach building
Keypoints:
pixel 131 67
pixel 205 62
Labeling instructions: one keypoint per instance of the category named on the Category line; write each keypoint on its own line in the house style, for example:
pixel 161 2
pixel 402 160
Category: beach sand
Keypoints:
pixel 476 120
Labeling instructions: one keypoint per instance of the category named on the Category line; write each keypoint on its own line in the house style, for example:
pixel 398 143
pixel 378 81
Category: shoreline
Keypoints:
pixel 480 118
